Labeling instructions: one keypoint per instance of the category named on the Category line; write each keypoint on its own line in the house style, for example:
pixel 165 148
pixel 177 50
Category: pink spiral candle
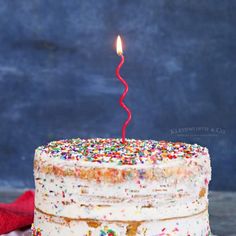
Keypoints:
pixel 122 97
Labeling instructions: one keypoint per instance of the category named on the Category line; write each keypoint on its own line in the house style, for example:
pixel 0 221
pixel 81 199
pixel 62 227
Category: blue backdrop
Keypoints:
pixel 57 77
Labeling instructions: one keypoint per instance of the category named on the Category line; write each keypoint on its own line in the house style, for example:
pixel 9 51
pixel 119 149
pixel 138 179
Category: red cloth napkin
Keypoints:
pixel 17 214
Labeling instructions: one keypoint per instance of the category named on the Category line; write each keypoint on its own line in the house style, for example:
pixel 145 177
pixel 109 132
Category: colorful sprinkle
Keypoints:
pixel 35 231
pixel 113 151
pixel 107 232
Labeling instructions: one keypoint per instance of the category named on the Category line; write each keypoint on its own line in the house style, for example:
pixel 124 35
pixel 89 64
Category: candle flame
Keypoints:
pixel 119 46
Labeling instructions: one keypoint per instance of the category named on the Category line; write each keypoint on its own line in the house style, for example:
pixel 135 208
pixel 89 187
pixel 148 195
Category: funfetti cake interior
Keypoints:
pixel 101 187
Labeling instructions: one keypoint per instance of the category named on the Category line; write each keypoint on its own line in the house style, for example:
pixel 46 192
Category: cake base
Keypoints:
pixel 197 224
pixel 101 187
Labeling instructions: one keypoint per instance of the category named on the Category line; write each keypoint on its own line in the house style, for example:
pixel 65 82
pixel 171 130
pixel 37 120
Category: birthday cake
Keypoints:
pixel 101 187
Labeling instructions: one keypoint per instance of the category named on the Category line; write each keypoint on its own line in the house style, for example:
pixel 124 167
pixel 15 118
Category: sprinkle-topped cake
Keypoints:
pixel 102 187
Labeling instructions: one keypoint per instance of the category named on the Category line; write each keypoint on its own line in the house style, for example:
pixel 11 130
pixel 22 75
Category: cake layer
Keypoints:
pixel 145 200
pixel 108 160
pixel 194 225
